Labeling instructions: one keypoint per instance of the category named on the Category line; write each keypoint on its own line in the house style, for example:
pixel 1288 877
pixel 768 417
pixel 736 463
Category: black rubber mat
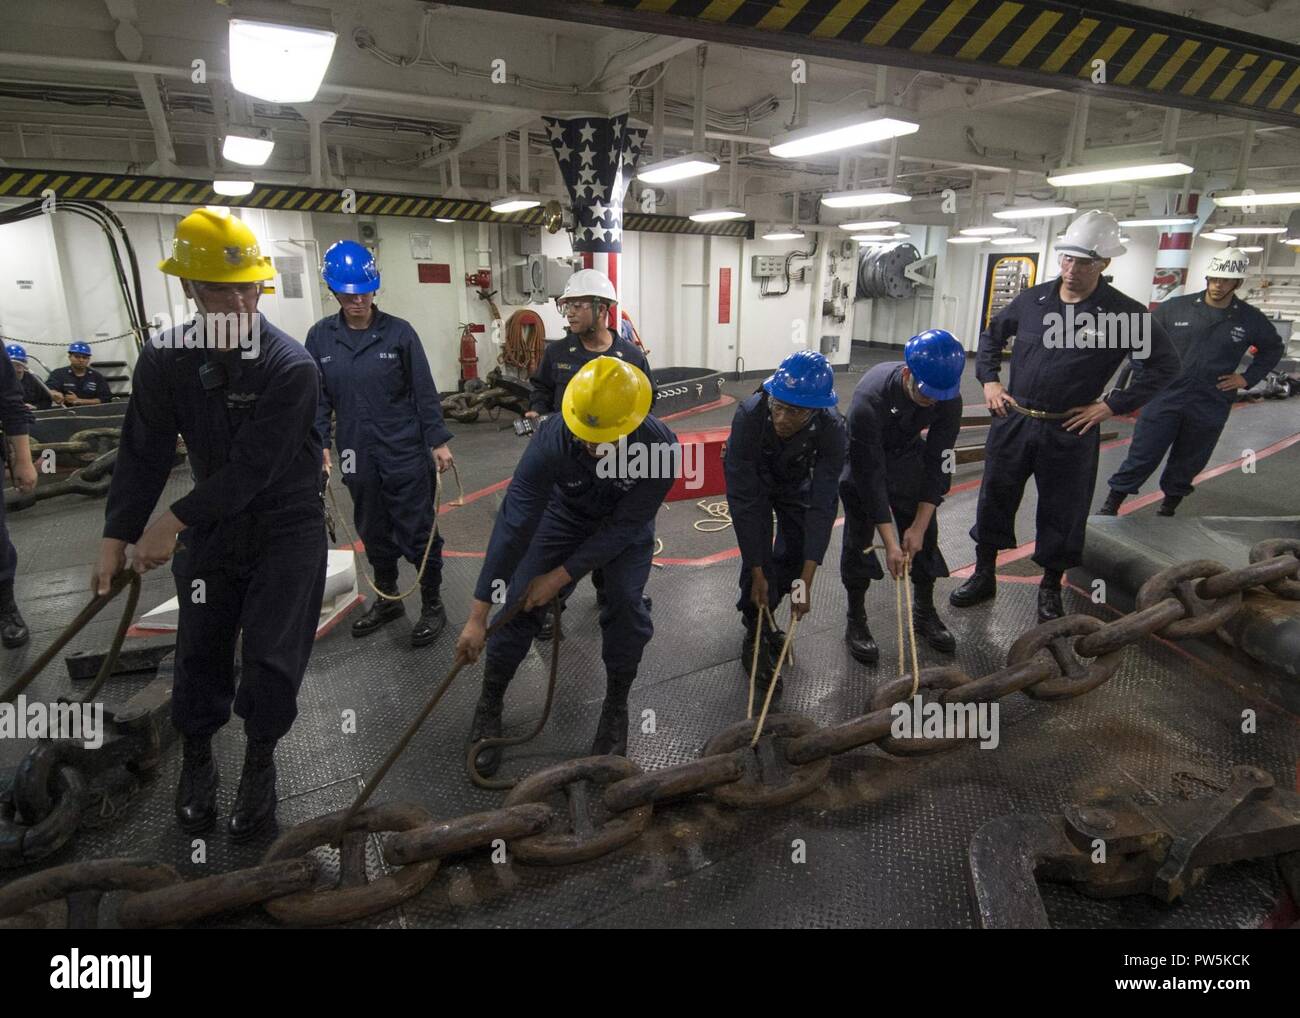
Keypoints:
pixel 885 838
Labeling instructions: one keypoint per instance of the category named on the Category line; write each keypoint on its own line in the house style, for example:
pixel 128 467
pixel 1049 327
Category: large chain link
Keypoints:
pixel 610 799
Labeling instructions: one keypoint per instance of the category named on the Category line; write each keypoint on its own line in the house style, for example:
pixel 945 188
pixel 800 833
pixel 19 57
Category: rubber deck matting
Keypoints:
pixel 885 838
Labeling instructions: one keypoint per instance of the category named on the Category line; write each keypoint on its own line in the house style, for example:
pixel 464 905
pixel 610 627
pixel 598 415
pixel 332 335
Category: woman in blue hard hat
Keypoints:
pixel 895 480
pixel 376 382
pixel 785 453
pixel 35 395
pixel 78 383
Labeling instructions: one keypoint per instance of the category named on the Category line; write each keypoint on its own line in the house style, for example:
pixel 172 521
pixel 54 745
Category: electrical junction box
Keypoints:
pixel 530 240
pixel 558 271
pixel 543 278
pixel 767 266
pixel 830 345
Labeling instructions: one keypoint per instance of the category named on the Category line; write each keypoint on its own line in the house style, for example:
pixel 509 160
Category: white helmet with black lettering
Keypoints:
pixel 1230 263
pixel 1094 234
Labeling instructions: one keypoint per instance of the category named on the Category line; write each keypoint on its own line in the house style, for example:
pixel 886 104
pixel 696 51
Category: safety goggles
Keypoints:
pixel 565 305
pixel 795 413
pixel 1080 262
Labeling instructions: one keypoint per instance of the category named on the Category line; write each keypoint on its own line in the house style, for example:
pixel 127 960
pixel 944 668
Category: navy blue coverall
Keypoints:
pixel 16 419
pixel 891 469
pixel 1055 378
pixel 91 385
pixel 564 358
pixel 1187 418
pixel 378 384
pixel 255 520
pixel 560 511
pixel 798 478
pixel 33 394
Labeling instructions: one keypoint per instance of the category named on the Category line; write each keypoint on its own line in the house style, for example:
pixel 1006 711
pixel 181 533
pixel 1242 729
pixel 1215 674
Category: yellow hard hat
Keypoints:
pixel 212 248
pixel 606 400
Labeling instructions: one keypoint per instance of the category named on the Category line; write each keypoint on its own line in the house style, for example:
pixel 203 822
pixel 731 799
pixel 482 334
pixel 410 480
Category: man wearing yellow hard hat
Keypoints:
pixel 584 495
pixel 252 555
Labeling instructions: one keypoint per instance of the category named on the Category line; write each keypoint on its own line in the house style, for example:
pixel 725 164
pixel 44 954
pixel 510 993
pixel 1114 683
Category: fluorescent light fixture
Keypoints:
pixel 514 203
pixel 693 164
pixel 862 129
pixel 278 63
pixel 1240 199
pixel 1166 221
pixel 247 149
pixel 1114 173
pixel 785 233
pixel 864 199
pixel 1125 240
pixel 444 220
pixel 1035 212
pixel 901 236
pixel 875 238
pixel 987 231
pixel 870 224
pixel 717 215
pixel 232 188
pixel 968 240
pixel 1216 235
pixel 1014 240
pixel 1251 249
pixel 1249 231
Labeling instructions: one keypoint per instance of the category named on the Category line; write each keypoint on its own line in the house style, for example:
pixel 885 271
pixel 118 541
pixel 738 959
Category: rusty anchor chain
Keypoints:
pixel 610 800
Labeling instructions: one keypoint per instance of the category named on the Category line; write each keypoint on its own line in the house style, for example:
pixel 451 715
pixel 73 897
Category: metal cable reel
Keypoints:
pixel 881 272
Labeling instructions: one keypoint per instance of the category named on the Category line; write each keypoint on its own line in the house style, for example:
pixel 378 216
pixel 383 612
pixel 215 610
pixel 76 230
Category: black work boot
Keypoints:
pixel 1049 602
pixel 433 617
pixel 862 644
pixel 1167 508
pixel 766 660
pixel 611 732
pixel 13 630
pixel 196 792
pixel 983 582
pixel 926 621
pixel 487 720
pixel 1113 501
pixel 381 611
pixel 255 800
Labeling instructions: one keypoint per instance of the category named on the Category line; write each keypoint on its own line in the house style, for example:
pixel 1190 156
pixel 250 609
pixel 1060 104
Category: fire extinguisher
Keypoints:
pixel 468 355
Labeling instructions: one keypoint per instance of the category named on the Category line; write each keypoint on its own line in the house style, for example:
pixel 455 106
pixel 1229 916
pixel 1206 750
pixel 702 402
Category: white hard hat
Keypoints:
pixel 1094 234
pixel 590 283
pixel 1230 263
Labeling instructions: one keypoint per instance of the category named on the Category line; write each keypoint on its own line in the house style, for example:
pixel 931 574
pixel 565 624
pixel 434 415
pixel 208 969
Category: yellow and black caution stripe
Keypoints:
pixel 109 187
pixel 1148 55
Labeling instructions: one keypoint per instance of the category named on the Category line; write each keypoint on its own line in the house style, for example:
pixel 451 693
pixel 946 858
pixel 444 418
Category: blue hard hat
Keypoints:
pixel 803 379
pixel 350 268
pixel 937 360
pixel 81 348
pixel 16 353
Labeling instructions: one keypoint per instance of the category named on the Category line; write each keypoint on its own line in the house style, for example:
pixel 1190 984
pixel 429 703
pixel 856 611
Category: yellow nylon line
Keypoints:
pixel 1077 36
pixel 1234 76
pixel 942 25
pixel 1173 64
pixel 1286 90
pixel 1262 82
pixel 780 15
pixel 98 188
pixel 718 10
pixel 837 19
pixel 32 184
pixel 1208 67
pixel 1139 59
pixel 1108 49
pixel 894 19
pixel 75 189
pixel 1033 35
pixel 988 31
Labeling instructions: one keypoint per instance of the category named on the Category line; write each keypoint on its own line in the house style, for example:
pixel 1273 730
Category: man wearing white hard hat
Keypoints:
pixel 1212 330
pixel 1044 423
pixel 585 304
